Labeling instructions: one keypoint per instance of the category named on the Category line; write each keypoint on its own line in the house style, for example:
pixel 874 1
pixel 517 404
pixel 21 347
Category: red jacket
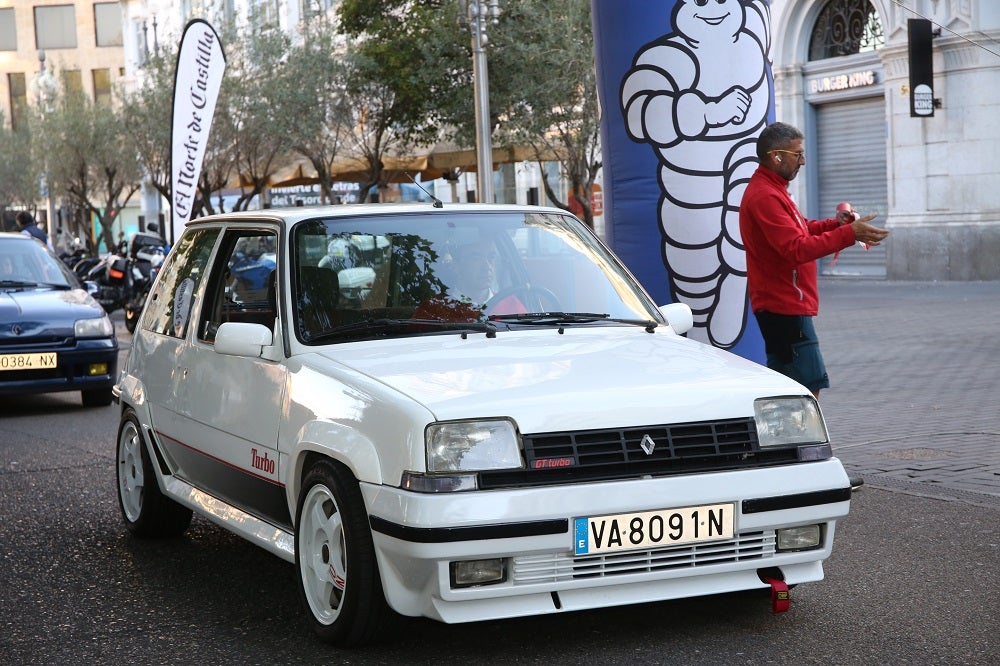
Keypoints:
pixel 782 247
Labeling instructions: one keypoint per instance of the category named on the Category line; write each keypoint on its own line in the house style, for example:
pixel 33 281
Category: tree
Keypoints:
pixel 557 113
pixel 19 179
pixel 322 106
pixel 146 113
pixel 541 75
pixel 257 111
pixel 405 68
pixel 81 146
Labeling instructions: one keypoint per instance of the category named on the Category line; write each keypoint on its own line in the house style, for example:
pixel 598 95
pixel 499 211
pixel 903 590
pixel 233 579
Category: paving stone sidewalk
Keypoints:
pixel 914 402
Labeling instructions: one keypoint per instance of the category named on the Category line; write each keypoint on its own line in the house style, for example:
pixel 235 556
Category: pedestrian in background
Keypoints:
pixel 28 228
pixel 782 247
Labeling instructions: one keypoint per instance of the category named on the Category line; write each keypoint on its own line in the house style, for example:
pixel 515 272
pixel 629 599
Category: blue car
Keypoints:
pixel 53 335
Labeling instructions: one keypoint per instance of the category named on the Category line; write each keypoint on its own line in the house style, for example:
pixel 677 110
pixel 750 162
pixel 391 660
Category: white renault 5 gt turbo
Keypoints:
pixel 496 421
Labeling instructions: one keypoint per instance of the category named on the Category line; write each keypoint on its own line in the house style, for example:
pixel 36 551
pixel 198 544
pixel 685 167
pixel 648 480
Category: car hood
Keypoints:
pixel 44 312
pixel 583 378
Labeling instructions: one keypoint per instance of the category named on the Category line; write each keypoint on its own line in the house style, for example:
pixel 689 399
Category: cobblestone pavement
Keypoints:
pixel 914 403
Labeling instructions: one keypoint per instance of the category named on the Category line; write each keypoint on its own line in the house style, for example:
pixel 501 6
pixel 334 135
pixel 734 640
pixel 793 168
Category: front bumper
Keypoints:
pixel 72 372
pixel 417 536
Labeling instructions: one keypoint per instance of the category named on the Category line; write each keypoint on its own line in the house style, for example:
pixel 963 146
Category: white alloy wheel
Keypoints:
pixel 335 557
pixel 147 511
pixel 131 479
pixel 323 554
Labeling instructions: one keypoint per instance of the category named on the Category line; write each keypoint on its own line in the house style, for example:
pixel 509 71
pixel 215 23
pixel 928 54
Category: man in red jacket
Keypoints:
pixel 782 247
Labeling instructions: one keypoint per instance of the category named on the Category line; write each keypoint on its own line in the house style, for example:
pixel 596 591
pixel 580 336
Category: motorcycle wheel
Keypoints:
pixel 131 318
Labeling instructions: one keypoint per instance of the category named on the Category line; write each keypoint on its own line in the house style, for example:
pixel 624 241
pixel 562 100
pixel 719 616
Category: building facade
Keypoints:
pixel 841 74
pixel 79 43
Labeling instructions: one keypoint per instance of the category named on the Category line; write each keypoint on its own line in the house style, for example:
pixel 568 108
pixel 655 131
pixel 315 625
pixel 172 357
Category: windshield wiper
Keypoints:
pixel 18 284
pixel 562 318
pixel 399 325
pixel 25 284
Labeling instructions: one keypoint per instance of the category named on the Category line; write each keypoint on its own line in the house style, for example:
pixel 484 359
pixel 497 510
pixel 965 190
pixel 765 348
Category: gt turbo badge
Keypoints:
pixel 547 463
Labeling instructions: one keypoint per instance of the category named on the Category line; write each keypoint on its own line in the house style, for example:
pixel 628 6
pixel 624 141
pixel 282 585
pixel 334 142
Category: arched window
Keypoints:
pixel 845 27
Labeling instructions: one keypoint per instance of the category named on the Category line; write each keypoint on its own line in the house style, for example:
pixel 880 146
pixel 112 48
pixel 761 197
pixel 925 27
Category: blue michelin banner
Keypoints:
pixel 686 88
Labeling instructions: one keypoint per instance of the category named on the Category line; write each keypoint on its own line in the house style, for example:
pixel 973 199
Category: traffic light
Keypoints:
pixel 921 68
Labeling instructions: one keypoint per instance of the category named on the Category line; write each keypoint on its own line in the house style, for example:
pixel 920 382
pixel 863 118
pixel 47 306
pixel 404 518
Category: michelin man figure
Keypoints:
pixel 700 96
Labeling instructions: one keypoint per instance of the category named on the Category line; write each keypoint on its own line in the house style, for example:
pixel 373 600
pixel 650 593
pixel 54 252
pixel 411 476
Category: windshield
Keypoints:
pixel 28 264
pixel 474 268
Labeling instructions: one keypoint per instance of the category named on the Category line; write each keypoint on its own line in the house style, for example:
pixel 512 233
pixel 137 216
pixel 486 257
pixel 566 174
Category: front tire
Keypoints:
pixel 147 512
pixel 338 577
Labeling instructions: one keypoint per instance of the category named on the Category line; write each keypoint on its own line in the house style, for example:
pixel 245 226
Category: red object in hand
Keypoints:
pixel 846 207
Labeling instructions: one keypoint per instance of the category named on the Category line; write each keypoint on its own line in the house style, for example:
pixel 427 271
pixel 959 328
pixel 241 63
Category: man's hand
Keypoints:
pixel 866 233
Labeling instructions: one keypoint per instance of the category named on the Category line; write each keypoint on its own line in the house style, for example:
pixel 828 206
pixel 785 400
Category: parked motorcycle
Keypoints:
pixel 123 277
pixel 146 254
pixel 74 254
pixel 109 273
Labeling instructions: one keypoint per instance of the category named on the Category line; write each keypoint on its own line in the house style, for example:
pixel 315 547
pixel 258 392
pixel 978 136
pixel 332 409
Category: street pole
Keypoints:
pixel 474 14
pixel 45 86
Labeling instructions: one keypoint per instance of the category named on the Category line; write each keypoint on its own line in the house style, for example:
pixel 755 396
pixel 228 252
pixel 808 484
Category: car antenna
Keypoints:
pixel 437 202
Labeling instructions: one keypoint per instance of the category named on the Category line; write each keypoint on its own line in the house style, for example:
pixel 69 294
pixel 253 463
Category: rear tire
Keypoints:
pixel 338 577
pixel 147 512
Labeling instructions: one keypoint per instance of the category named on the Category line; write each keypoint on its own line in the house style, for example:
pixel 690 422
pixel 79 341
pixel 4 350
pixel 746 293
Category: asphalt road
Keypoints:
pixel 914 578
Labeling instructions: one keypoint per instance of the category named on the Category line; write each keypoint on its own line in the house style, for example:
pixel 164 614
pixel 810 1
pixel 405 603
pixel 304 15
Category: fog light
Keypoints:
pixel 98 369
pixel 798 538
pixel 815 452
pixel 478 572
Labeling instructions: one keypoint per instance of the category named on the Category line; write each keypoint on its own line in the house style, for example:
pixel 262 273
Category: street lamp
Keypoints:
pixel 44 85
pixel 45 89
pixel 473 16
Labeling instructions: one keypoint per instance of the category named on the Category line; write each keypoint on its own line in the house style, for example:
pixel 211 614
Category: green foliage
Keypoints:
pixel 540 68
pixel 19 178
pixel 378 79
pixel 320 101
pixel 146 114
pixel 546 69
pixel 80 145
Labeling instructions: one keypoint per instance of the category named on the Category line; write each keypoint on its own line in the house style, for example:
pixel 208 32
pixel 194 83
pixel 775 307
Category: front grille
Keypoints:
pixel 561 567
pixel 599 455
pixel 30 375
pixel 34 344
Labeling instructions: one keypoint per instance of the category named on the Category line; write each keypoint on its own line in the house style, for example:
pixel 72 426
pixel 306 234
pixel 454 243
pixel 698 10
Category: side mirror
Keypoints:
pixel 243 339
pixel 679 317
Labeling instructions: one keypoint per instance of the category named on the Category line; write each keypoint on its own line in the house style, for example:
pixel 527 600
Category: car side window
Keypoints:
pixel 170 306
pixel 243 284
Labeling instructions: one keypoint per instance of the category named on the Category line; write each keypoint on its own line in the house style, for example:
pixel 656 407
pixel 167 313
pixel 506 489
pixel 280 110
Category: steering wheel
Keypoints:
pixel 532 299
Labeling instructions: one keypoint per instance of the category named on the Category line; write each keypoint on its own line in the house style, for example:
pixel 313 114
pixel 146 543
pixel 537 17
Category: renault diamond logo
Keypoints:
pixel 647 444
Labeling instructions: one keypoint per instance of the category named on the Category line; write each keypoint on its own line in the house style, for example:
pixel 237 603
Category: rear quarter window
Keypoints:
pixel 169 309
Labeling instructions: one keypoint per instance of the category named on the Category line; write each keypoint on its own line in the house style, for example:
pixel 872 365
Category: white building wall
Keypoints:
pixel 943 172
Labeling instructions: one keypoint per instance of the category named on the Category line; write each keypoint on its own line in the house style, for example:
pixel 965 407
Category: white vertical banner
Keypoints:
pixel 198 77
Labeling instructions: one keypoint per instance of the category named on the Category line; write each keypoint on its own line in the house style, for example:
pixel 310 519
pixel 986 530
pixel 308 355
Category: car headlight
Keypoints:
pixel 471 446
pixel 99 327
pixel 789 421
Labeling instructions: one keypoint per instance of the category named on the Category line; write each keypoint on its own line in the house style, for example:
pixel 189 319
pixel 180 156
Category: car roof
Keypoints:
pixel 15 235
pixel 291 216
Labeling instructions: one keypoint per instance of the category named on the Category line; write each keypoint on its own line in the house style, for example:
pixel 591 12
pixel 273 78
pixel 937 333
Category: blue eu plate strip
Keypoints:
pixel 581 537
